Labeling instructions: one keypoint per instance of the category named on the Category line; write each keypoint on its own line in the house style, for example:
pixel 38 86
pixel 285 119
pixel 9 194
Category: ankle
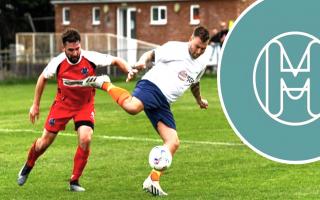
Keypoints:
pixel 155 175
pixel 106 86
pixel 74 182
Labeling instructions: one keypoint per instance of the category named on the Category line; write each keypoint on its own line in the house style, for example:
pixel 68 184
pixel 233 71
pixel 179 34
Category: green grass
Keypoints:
pixel 117 168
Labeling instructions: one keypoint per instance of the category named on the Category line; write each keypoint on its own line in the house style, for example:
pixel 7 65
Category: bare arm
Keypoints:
pixel 125 67
pixel 35 110
pixel 195 89
pixel 145 60
pixel 121 64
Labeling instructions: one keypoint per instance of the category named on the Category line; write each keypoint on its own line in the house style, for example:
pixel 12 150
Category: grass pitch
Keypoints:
pixel 211 163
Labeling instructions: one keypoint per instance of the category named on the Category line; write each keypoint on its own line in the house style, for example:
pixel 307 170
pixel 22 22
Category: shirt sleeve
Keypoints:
pixel 51 69
pixel 99 59
pixel 164 53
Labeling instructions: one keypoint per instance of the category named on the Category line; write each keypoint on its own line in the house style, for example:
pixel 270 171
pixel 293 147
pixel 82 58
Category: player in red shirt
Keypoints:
pixel 75 103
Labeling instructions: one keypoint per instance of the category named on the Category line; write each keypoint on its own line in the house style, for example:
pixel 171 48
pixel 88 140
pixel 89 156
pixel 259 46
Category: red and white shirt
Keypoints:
pixel 62 68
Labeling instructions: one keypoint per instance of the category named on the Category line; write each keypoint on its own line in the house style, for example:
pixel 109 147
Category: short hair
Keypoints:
pixel 70 35
pixel 202 33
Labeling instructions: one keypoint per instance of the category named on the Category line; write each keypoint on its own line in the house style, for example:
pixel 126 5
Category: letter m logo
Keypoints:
pixel 286 78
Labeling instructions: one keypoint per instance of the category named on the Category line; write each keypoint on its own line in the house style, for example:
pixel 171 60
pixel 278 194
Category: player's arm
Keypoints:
pixel 103 60
pixel 121 64
pixel 125 67
pixel 35 108
pixel 195 89
pixel 145 60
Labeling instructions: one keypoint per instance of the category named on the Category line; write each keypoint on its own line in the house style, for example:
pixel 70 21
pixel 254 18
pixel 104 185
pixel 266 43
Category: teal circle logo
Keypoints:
pixel 269 80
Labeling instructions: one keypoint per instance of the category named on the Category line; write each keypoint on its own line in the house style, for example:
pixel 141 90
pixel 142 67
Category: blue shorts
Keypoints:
pixel 155 103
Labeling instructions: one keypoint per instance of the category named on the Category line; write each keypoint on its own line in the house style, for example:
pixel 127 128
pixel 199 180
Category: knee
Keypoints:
pixel 85 141
pixel 133 107
pixel 84 134
pixel 132 110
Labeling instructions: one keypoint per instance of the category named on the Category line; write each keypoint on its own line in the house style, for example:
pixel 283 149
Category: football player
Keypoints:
pixel 75 103
pixel 176 67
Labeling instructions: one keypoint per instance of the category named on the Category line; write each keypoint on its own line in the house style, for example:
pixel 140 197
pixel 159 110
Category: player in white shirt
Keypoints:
pixel 177 66
pixel 174 70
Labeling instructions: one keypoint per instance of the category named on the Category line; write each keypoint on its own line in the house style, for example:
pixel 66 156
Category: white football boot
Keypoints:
pixel 23 174
pixel 153 187
pixel 91 81
pixel 96 81
pixel 75 187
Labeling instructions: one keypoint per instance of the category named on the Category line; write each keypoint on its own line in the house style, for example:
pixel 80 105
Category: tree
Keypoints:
pixel 14 18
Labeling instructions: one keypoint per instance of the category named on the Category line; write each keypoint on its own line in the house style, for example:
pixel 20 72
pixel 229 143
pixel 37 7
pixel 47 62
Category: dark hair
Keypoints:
pixel 202 33
pixel 70 35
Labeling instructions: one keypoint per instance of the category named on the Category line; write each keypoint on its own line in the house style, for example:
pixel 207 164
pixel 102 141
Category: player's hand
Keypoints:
pixel 131 74
pixel 134 70
pixel 34 113
pixel 203 103
pixel 140 66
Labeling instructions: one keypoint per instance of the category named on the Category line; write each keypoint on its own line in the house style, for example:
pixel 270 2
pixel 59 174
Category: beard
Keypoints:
pixel 192 54
pixel 73 59
pixel 195 56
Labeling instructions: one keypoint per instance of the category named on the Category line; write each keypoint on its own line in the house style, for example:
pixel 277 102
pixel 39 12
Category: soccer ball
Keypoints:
pixel 160 158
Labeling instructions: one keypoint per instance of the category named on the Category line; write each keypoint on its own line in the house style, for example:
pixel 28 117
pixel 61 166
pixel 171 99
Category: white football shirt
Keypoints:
pixel 98 59
pixel 175 70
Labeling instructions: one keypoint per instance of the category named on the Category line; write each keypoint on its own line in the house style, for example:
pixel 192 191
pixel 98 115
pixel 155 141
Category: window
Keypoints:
pixel 194 14
pixel 96 16
pixel 158 15
pixel 66 16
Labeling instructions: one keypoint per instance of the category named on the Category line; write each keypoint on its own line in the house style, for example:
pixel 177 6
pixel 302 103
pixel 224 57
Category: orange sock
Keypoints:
pixel 105 86
pixel 118 94
pixel 155 175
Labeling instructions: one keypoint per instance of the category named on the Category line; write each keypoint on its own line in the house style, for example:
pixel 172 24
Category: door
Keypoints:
pixel 126 30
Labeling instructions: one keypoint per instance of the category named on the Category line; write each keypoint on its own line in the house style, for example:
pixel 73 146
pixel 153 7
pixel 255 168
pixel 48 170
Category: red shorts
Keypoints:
pixel 60 114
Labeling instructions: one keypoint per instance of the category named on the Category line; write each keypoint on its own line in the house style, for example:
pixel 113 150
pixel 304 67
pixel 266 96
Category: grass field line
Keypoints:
pixel 159 140
pixel 124 138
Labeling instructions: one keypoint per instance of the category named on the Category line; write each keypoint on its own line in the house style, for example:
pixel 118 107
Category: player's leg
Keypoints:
pixel 123 98
pixel 36 150
pixel 81 156
pixel 171 141
pixel 58 117
pixel 163 121
pixel 129 103
pixel 120 95
pixel 169 136
pixel 84 125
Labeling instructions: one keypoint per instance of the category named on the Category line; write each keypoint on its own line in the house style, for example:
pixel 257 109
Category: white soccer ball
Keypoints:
pixel 160 157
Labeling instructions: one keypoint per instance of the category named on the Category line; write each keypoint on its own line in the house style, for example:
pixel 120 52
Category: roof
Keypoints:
pixel 104 1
